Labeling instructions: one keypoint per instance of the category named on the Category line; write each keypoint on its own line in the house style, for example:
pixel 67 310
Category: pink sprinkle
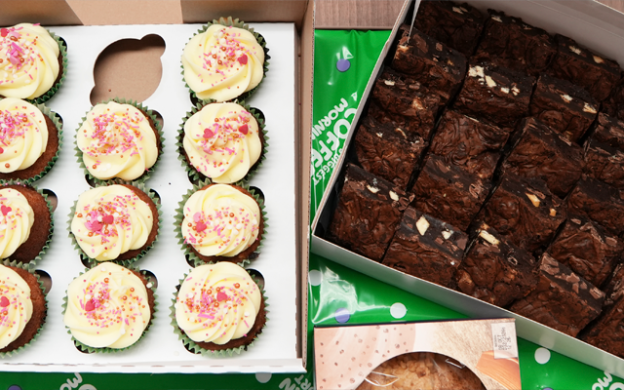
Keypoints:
pixel 108 219
pixel 244 129
pixel 208 133
pixel 197 216
pixel 4 32
pixel 221 296
pixel 4 302
pixel 242 59
pixel 200 227
pixel 90 306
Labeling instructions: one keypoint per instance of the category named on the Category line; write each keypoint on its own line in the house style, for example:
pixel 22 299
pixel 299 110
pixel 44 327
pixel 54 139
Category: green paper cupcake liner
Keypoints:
pixel 88 349
pixel 126 263
pixel 179 217
pixel 55 87
pixel 59 127
pixel 147 174
pixel 229 22
pixel 33 263
pixel 194 347
pixel 197 176
pixel 25 267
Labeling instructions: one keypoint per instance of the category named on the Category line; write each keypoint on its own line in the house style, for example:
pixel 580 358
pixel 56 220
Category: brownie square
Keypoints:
pixel 411 128
pixel 604 162
pixel 609 130
pixel 587 248
pixel 585 68
pixel 614 105
pixel 369 209
pixel 600 202
pixel 386 151
pixel 404 95
pixel 511 43
pixel 456 25
pixel 475 145
pixel 496 94
pixel 430 62
pixel 562 300
pixel 524 211
pixel 564 107
pixel 445 191
pixel 538 151
pixel 495 270
pixel 427 248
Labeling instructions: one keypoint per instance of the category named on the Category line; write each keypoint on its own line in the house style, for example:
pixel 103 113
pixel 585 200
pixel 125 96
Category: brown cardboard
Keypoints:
pixel 46 12
pixel 105 12
pixel 359 14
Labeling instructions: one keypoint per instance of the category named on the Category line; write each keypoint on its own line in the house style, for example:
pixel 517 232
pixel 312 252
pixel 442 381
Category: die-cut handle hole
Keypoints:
pixel 159 118
pixel 85 261
pixel 155 194
pixel 257 276
pixel 188 260
pixel 52 198
pixel 59 118
pixel 151 279
pixel 45 278
pixel 90 181
pixel 81 350
pixel 258 192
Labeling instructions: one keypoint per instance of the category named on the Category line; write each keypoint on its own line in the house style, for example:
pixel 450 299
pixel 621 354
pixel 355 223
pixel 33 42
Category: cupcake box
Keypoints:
pixel 591 24
pixel 285 100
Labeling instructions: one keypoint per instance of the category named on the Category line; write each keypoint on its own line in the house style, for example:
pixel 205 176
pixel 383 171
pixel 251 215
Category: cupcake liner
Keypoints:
pixel 179 217
pixel 126 263
pixel 88 349
pixel 197 176
pixel 33 263
pixel 147 174
pixel 194 347
pixel 229 22
pixel 25 267
pixel 55 87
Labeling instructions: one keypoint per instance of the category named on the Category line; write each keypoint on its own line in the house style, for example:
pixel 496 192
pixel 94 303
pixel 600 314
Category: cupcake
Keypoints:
pixel 220 222
pixel 223 61
pixel 108 308
pixel 33 62
pixel 223 142
pixel 25 223
pixel 30 139
pixel 119 141
pixel 218 307
pixel 118 222
pixel 23 308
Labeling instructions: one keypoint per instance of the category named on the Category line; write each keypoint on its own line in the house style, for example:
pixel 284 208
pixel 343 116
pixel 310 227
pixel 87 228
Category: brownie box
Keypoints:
pixel 590 24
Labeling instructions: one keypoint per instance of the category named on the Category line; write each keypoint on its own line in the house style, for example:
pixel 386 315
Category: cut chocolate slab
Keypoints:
pixel 511 43
pixel 523 211
pixel 456 25
pixel 447 192
pixel 426 247
pixel 598 201
pixel 404 95
pixel 562 300
pixel 369 209
pixel 563 106
pixel 430 62
pixel 604 162
pixel 609 130
pixel 470 143
pixel 386 151
pixel 538 151
pixel 587 248
pixel 497 94
pixel 614 105
pixel 495 270
pixel 585 68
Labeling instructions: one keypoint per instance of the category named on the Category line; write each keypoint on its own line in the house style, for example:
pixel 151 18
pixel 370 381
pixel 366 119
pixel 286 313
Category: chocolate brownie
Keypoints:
pixel 614 105
pixel 369 209
pixel 470 143
pixel 604 162
pixel 511 43
pixel 495 270
pixel 430 62
pixel 562 300
pixel 585 68
pixel 564 107
pixel 598 201
pixel 445 191
pixel 411 128
pixel 496 94
pixel 609 130
pixel 385 151
pixel 538 151
pixel 524 211
pixel 426 247
pixel 456 25
pixel 404 95
pixel 587 248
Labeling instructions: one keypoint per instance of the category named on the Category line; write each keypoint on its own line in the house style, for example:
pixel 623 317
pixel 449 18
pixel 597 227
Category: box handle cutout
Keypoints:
pixel 45 278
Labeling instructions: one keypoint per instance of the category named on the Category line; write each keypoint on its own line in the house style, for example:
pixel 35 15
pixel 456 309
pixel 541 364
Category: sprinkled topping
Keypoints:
pixel 16 220
pixel 15 305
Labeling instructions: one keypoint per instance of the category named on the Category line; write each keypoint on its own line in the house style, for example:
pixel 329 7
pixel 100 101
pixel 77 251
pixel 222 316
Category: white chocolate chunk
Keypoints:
pixel 380 135
pixel 575 49
pixel 490 82
pixel 372 189
pixel 566 97
pixel 497 18
pixel 394 196
pixel 515 91
pixel 504 89
pixel 475 71
pixel 447 234
pixel 389 82
pixel 598 60
pixel 488 237
pixel 534 199
pixel 588 108
pixel 463 9
pixel 401 131
pixel 459 11
pixel 553 212
pixel 422 225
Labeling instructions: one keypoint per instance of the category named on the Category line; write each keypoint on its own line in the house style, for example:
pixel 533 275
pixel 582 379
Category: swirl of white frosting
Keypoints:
pixel 16 219
pixel 107 306
pixel 29 62
pixel 217 303
pixel 222 141
pixel 220 221
pixel 15 305
pixel 23 134
pixel 117 140
pixel 111 220
pixel 222 63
